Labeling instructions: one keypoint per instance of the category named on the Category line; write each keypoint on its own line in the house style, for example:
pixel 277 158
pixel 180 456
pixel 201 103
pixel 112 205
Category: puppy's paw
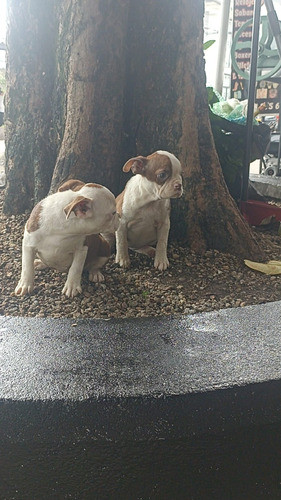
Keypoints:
pixel 71 289
pixel 162 264
pixel 38 264
pixel 96 276
pixel 123 261
pixel 23 288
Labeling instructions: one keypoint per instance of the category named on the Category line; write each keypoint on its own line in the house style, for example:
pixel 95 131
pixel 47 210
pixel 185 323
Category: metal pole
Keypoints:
pixel 222 40
pixel 275 28
pixel 279 145
pixel 274 24
pixel 251 100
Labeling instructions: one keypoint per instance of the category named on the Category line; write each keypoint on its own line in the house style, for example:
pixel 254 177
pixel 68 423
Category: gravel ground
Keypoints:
pixel 191 284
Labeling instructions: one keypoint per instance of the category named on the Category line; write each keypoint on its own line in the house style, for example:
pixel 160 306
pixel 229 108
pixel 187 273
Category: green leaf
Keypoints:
pixel 212 96
pixel 208 44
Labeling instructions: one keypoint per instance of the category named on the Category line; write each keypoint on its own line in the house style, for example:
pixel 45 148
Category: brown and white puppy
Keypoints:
pixel 144 207
pixel 63 232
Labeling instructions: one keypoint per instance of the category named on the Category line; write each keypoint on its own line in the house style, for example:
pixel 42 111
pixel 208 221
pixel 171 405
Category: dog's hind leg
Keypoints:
pixel 94 269
pixel 147 250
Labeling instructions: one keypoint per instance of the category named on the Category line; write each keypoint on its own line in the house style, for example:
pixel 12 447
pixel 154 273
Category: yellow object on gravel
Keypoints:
pixel 272 267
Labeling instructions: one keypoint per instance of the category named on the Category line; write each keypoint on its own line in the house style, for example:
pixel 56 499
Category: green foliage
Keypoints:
pixel 212 96
pixel 208 44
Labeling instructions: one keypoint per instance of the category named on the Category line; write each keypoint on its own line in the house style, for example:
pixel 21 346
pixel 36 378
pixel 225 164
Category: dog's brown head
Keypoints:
pixel 161 168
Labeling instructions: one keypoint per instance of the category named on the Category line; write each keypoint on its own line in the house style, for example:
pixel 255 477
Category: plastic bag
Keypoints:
pixel 231 109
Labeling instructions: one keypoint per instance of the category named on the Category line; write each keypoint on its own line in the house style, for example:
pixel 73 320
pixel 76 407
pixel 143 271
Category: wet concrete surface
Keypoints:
pixel 55 359
pixel 176 408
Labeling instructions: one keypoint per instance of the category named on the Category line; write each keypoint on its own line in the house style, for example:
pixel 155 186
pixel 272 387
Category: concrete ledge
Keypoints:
pixel 156 408
pixel 266 185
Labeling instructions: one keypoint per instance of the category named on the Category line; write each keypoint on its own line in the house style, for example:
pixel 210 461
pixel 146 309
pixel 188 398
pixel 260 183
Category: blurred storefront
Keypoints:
pixel 237 53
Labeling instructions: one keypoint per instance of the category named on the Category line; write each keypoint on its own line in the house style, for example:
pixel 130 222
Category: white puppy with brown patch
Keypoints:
pixel 144 207
pixel 63 232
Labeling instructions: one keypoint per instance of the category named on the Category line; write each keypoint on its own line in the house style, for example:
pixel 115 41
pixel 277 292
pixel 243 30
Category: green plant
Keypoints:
pixel 208 44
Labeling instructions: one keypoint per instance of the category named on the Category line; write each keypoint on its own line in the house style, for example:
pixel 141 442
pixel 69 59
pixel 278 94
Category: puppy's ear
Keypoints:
pixel 137 165
pixel 73 184
pixel 80 206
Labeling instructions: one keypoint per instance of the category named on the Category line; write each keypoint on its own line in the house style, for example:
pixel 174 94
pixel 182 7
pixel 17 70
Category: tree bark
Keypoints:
pixel 129 80
pixel 167 108
pixel 30 153
pixel 92 45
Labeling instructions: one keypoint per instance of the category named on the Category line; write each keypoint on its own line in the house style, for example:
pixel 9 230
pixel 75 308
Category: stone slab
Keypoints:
pixel 228 361
pixel 267 186
pixel 64 359
pixel 159 408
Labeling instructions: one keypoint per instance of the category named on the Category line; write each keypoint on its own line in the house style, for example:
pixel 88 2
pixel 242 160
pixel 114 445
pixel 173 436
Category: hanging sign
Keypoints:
pixel 243 11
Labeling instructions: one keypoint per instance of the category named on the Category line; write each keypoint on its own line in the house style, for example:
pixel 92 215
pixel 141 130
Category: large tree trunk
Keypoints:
pixel 166 108
pixel 130 80
pixel 30 153
pixel 92 45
